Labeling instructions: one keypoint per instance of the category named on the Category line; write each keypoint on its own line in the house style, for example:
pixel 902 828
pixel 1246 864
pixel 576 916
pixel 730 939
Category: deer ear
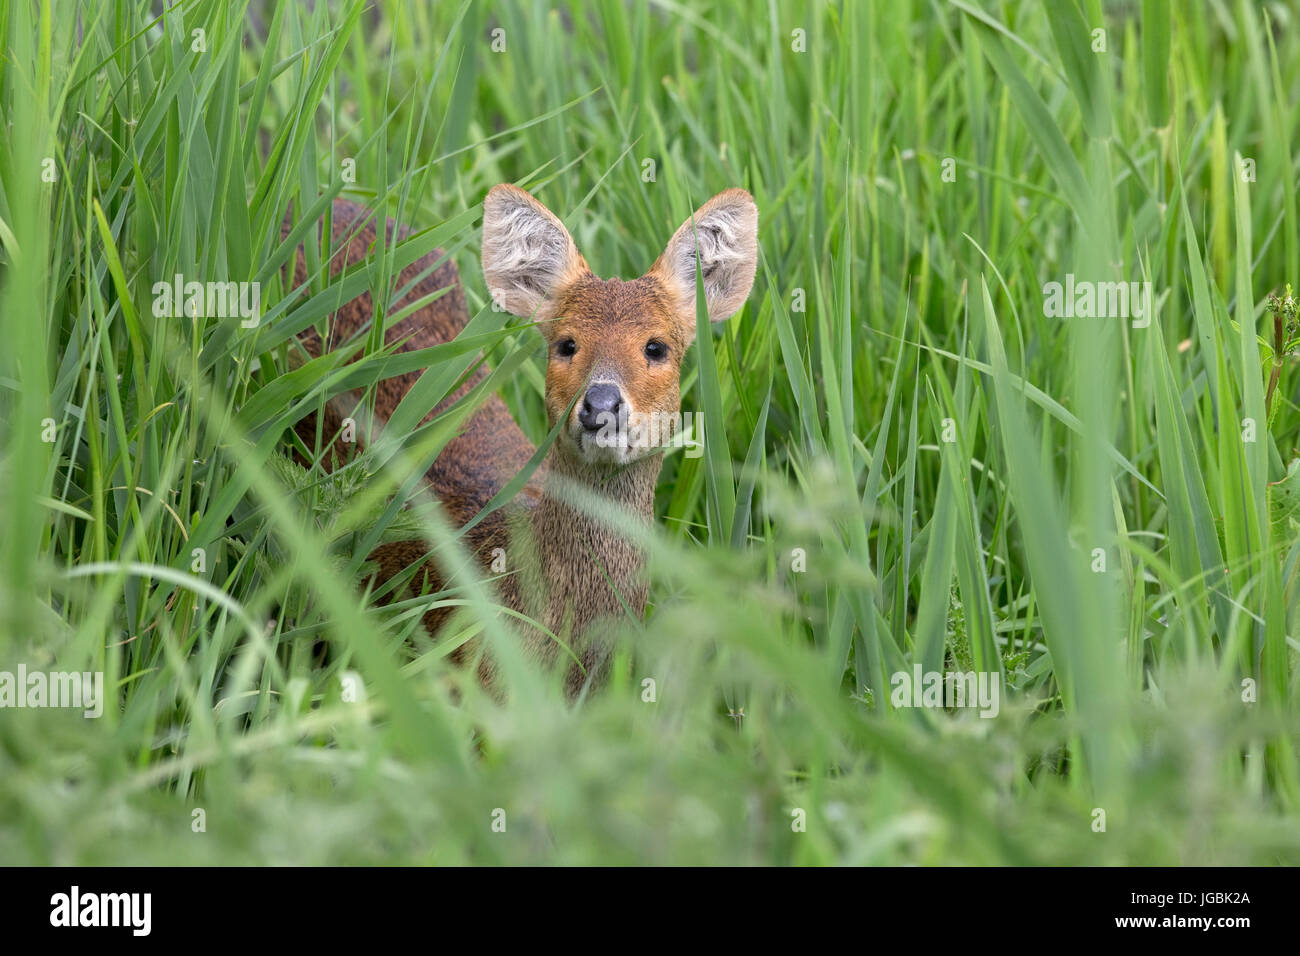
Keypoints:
pixel 723 233
pixel 527 252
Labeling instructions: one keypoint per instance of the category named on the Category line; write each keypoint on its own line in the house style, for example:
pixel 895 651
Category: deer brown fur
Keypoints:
pixel 610 343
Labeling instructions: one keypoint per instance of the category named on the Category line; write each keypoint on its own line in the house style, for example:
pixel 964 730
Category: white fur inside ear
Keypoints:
pixel 527 252
pixel 724 236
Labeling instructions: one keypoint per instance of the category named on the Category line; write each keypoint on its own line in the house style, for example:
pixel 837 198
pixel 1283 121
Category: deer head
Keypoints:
pixel 615 348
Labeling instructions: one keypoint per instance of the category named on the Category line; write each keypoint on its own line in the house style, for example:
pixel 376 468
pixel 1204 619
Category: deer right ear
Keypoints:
pixel 527 252
pixel 722 237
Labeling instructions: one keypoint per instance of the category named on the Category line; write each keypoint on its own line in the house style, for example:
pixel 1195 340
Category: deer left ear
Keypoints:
pixel 723 236
pixel 527 253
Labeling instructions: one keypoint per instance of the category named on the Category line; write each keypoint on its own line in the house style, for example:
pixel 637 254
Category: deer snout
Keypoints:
pixel 600 406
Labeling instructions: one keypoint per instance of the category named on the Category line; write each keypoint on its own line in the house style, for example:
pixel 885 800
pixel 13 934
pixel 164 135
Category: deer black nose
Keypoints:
pixel 600 405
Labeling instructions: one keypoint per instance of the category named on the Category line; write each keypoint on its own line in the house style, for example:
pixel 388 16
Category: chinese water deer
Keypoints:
pixel 614 353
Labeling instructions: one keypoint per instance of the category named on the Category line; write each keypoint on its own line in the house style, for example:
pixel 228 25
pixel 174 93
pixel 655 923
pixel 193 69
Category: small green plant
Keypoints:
pixel 1284 345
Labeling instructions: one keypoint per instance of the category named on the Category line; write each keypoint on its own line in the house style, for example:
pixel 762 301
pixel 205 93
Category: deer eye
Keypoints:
pixel 565 348
pixel 656 351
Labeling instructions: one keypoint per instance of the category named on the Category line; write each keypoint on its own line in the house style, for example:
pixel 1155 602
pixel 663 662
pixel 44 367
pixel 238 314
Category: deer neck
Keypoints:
pixel 586 569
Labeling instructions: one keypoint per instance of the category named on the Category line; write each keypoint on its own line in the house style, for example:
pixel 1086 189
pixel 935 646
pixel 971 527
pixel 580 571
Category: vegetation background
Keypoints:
pixel 907 462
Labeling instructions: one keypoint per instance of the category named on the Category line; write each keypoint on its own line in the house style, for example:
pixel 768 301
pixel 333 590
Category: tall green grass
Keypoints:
pixel 908 461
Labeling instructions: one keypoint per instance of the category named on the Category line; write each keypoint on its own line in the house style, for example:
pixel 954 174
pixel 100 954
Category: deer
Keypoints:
pixel 614 352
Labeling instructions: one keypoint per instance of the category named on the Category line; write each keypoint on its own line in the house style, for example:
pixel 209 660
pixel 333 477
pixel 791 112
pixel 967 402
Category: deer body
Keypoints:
pixel 614 350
